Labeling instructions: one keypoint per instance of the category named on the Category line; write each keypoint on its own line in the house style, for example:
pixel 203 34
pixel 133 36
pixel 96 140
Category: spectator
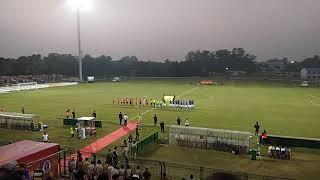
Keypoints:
pixel 67 113
pixel 256 127
pixel 155 120
pixel 73 114
pixel 187 123
pixel 85 166
pixel 122 173
pixel 162 126
pixel 146 174
pixel 109 156
pixel 110 170
pixel 45 137
pixel 94 114
pixel 264 137
pixel 79 156
pixel 130 139
pixel 128 172
pixel 178 121
pixel 120 118
pixel 72 168
pixel 98 169
pixel 115 173
pixel 137 133
pixel 138 172
pixel 91 170
pixel 105 168
pixel 72 131
pixel 115 157
pixel 191 177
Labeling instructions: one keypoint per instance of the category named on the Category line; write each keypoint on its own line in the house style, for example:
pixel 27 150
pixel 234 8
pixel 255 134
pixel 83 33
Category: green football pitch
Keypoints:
pixel 282 109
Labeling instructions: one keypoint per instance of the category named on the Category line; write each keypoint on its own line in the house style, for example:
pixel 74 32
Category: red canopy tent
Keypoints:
pixel 36 155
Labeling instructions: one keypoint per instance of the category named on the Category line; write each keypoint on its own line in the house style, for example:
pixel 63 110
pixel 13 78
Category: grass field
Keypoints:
pixel 282 109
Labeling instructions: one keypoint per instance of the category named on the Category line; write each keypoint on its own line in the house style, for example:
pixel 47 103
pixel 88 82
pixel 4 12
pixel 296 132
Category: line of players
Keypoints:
pixel 182 104
pixel 143 102
pixel 155 103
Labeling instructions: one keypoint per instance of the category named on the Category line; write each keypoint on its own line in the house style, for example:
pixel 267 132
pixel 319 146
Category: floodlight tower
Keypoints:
pixel 79 5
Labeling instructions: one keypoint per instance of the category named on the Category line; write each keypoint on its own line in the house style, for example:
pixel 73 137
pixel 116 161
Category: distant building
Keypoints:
pixel 237 73
pixel 310 73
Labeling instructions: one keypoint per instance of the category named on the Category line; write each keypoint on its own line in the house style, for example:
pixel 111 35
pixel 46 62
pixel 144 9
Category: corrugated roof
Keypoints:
pixel 22 149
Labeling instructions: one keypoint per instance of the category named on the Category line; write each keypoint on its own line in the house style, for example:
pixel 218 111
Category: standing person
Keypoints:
pixel 162 126
pixel 22 110
pixel 45 137
pixel 138 172
pixel 256 127
pixel 79 156
pixel 140 120
pixel 146 174
pixel 72 168
pixel 67 113
pixel 125 120
pixel 94 114
pixel 155 120
pixel 73 114
pixel 109 156
pixel 187 123
pixel 137 133
pixel 178 121
pixel 98 169
pixel 130 139
pixel 120 118
pixel 72 131
pixel 128 172
pixel 115 157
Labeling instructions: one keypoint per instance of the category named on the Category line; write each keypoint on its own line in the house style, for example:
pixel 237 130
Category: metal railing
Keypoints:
pixel 177 171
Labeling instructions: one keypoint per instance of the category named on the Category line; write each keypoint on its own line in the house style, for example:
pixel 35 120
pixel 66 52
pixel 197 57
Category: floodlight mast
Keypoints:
pixel 79 45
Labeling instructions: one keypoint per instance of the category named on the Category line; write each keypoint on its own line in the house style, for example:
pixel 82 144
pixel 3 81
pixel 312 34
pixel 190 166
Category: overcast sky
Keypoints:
pixel 161 29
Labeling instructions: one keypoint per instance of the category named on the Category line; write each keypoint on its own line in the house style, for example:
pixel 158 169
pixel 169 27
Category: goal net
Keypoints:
pixel 27 86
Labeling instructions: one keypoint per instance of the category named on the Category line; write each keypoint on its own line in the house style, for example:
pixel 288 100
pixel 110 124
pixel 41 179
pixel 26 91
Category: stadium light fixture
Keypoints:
pixel 79 5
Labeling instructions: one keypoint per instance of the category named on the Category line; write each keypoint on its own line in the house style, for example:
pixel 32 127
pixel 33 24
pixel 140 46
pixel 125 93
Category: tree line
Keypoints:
pixel 196 63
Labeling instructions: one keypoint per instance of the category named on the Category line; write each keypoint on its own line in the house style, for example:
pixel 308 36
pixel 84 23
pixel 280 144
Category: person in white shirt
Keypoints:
pixel 125 119
pixel 187 123
pixel 45 137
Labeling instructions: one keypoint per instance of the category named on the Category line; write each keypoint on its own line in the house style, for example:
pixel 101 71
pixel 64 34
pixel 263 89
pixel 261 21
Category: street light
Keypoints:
pixel 79 5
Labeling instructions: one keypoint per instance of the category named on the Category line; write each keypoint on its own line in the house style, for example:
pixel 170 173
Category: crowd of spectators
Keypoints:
pixel 10 80
pixel 86 170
